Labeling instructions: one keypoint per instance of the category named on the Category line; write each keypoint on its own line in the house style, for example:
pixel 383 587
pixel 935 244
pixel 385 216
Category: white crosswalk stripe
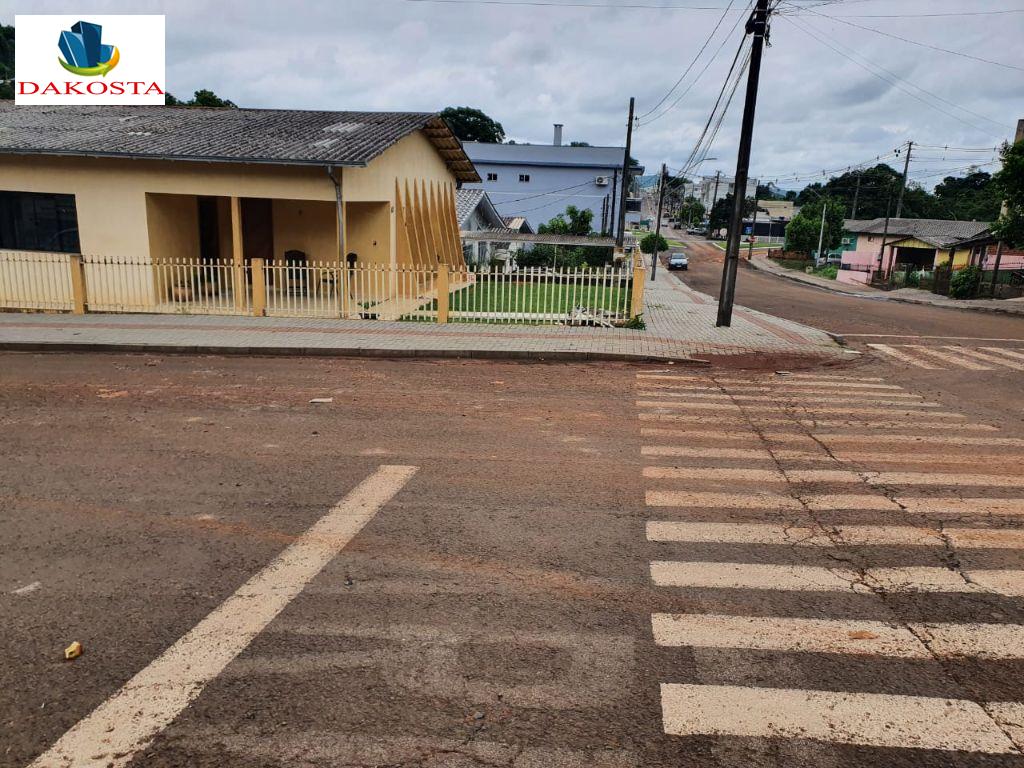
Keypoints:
pixel 770 633
pixel 851 535
pixel 753 490
pixel 904 357
pixel 986 358
pixel 809 578
pixel 880 720
pixel 945 357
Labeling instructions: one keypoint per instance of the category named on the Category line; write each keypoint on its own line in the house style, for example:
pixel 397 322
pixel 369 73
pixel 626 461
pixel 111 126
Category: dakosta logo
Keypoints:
pixel 84 53
pixel 99 59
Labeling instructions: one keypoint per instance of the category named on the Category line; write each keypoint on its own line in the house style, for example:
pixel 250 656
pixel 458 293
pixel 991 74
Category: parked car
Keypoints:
pixel 696 231
pixel 678 261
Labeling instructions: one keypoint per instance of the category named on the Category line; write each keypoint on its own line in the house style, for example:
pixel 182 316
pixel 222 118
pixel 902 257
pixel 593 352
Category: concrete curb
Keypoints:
pixel 378 352
pixel 885 297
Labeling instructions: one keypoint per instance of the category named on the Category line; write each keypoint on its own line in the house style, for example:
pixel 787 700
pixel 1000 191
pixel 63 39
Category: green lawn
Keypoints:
pixel 547 298
pixel 535 298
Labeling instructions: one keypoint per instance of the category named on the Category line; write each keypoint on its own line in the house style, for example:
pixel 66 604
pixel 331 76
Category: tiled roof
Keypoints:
pixel 280 136
pixel 466 201
pixel 937 232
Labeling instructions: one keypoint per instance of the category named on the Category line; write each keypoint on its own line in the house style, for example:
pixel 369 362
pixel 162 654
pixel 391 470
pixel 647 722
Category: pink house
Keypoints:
pixel 919 243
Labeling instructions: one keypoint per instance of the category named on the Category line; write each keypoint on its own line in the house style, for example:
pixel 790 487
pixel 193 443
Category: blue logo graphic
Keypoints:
pixel 84 54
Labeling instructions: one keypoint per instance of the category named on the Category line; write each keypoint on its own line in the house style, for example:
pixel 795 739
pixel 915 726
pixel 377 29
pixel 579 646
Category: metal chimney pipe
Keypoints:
pixel 558 135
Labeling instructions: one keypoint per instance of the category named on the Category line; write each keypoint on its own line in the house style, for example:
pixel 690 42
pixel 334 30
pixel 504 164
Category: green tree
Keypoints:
pixel 6 61
pixel 721 211
pixel 769 192
pixel 1009 182
pixel 202 98
pixel 692 210
pixel 803 231
pixel 974 197
pixel 652 242
pixel 471 124
pixel 574 222
pixel 579 143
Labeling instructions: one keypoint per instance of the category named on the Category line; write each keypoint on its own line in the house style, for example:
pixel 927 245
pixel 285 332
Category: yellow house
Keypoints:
pixel 207 187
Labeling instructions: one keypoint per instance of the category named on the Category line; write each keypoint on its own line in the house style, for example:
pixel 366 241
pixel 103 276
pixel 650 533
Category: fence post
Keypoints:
pixel 636 305
pixel 259 287
pixel 442 293
pixel 77 284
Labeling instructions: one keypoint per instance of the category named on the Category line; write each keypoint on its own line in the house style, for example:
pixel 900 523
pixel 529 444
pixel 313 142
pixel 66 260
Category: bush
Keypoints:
pixel 964 282
pixel 653 242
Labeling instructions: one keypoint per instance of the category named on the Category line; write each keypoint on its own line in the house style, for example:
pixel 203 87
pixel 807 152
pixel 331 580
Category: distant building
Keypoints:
pixel 476 213
pixel 770 223
pixel 710 189
pixel 538 181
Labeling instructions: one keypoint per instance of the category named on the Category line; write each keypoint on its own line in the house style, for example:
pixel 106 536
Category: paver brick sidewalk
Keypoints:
pixel 680 326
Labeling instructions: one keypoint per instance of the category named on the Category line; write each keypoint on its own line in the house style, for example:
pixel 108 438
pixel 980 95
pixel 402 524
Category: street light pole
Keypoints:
pixel 821 232
pixel 758 26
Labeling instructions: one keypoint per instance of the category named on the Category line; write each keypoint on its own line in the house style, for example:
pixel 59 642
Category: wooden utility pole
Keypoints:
pixel 757 25
pixel 657 227
pixel 903 184
pixel 856 196
pixel 714 199
pixel 885 232
pixel 626 174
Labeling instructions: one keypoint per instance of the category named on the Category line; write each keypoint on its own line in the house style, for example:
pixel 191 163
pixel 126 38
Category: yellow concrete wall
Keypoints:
pixel 369 233
pixel 111 193
pixel 173 226
pixel 305 225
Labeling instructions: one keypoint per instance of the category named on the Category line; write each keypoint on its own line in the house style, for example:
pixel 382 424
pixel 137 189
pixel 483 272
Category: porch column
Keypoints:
pixel 237 255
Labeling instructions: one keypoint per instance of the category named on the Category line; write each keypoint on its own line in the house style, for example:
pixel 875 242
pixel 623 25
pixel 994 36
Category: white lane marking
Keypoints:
pixel 831 377
pixel 731 436
pixel 917 336
pixel 976 355
pixel 708 500
pixel 1006 352
pixel 798 410
pixel 708 453
pixel 1010 715
pixel 957 507
pixel 903 357
pixel 958 360
pixel 940 478
pixel 870 719
pixel 1013 460
pixel 835 396
pixel 127 721
pixel 808 578
pixel 701 630
pixel 911 422
pixel 714 474
pixel 909 440
pixel 771 633
pixel 847 535
pixel 790 400
pixel 774 383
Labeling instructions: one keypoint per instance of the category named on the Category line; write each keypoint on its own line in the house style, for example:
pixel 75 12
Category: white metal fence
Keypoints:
pixel 575 296
pixel 35 280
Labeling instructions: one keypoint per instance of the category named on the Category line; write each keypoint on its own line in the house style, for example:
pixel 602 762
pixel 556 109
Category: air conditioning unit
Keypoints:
pixel 601 181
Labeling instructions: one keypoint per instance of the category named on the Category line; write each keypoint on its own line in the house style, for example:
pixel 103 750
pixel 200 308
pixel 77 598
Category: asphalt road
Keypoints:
pixel 957 360
pixel 560 566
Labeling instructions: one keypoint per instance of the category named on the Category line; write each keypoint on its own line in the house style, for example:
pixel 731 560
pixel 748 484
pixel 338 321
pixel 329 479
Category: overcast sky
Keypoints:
pixel 530 66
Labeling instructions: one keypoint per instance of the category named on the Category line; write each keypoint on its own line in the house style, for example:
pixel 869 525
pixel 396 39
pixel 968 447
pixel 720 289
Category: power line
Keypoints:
pixel 707 40
pixel 918 43
pixel 542 194
pixel 600 6
pixel 919 15
pixel 700 74
pixel 896 80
